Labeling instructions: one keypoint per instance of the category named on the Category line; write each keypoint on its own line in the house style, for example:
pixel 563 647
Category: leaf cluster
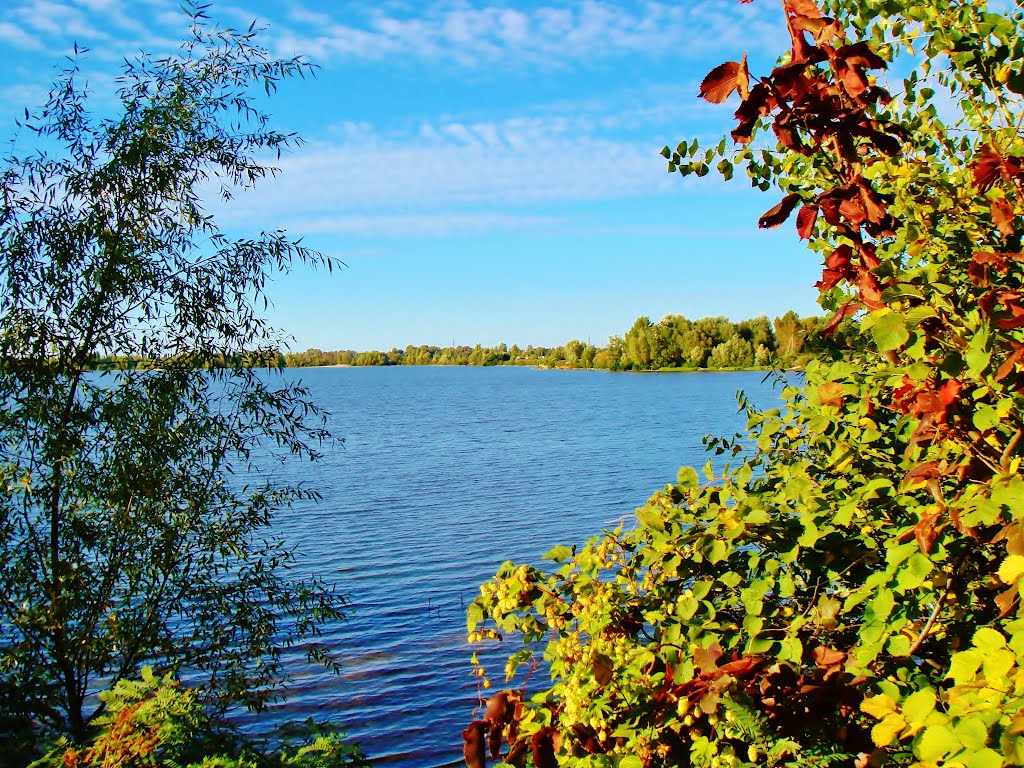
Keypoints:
pixel 135 504
pixel 155 721
pixel 848 588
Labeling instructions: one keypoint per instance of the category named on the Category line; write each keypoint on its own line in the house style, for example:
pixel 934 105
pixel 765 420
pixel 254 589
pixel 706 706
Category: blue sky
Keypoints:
pixel 488 171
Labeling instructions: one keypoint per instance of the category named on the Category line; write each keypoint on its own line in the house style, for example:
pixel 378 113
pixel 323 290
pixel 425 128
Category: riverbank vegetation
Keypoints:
pixel 847 589
pixel 125 542
pixel 673 343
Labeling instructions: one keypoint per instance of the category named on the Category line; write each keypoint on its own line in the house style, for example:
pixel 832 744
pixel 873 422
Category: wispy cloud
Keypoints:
pixel 552 35
pixel 19 37
pixel 450 175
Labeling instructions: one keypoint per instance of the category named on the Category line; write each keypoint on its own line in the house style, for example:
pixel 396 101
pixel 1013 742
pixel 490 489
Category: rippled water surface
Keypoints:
pixel 444 474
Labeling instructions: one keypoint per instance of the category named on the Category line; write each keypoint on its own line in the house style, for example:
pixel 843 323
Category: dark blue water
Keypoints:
pixel 447 472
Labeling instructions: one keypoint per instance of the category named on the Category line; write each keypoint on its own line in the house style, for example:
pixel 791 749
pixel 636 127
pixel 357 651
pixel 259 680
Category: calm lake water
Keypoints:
pixel 444 474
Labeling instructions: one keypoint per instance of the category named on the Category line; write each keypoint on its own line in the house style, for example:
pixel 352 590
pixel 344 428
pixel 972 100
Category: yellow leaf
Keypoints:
pixel 885 732
pixel 878 706
pixel 1011 569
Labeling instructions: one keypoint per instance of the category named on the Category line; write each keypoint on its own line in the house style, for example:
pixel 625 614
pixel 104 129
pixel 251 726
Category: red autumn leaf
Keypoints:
pixel 603 668
pixel 789 138
pixel 986 169
pixel 803 52
pixel 868 256
pixel 852 78
pixel 1012 301
pixel 759 103
pixel 920 473
pixel 830 278
pixel 499 709
pixel 1009 364
pixel 806 8
pixel 926 531
pixel 984 261
pixel 873 205
pixel 1003 217
pixel 828 657
pixel 494 743
pixel 517 754
pixel 949 392
pixel 805 219
pixel 831 202
pixel 543 746
pixel 841 259
pixel 831 393
pixel 780 212
pixel 741 668
pixel 870 290
pixel 852 209
pixel 1006 600
pixel 987 302
pixel 860 55
pixel 706 659
pixel 473 744
pixel 848 309
pixel 830 30
pixel 724 79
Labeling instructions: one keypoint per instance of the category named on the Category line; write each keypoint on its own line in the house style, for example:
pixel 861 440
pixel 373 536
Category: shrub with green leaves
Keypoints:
pixel 847 588
pixel 154 722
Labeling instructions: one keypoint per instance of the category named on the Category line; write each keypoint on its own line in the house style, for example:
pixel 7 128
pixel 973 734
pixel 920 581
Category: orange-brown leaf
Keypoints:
pixel 499 709
pixel 805 219
pixel 473 744
pixel 1006 600
pixel 860 55
pixel 806 8
pixel 874 206
pixel 780 212
pixel 984 261
pixel 603 669
pixel 831 393
pixel 852 78
pixel 706 659
pixel 1003 217
pixel 926 531
pixel 869 256
pixel 920 474
pixel 494 743
pixel 949 391
pixel 828 657
pixel 986 169
pixel 848 309
pixel 724 79
pixel 870 289
pixel 1009 365
pixel 543 746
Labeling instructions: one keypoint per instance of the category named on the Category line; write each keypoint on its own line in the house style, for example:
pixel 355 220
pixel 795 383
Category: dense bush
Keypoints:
pixel 847 589
pixel 154 721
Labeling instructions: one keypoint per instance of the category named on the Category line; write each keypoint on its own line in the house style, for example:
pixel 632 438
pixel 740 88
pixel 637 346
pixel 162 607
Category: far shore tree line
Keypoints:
pixel 673 343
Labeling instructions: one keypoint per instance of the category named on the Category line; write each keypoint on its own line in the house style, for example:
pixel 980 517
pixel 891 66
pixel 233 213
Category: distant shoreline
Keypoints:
pixel 553 368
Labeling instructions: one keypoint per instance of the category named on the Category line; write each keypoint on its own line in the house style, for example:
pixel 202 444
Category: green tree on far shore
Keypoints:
pixel 136 504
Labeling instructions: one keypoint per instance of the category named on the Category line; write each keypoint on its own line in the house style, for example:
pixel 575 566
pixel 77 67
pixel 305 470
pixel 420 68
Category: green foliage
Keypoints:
pixel 847 589
pixel 672 342
pixel 124 538
pixel 155 722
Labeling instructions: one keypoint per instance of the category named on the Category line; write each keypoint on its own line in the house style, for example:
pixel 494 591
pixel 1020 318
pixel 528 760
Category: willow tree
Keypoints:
pixel 135 504
pixel 847 590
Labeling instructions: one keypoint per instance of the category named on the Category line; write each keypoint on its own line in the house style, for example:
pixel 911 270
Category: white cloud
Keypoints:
pixel 414 225
pixel 450 175
pixel 19 38
pixel 551 35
